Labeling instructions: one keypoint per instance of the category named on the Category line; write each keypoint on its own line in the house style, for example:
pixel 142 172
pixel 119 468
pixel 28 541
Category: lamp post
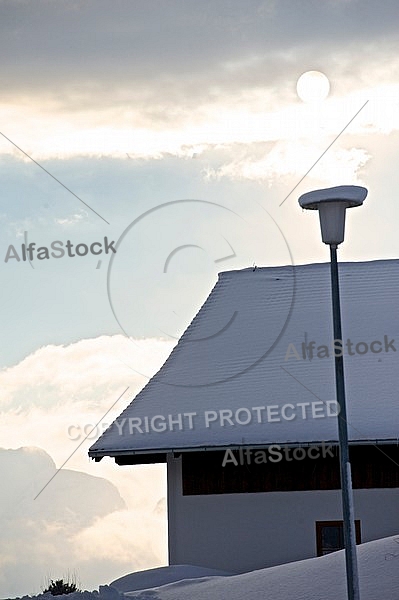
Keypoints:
pixel 332 204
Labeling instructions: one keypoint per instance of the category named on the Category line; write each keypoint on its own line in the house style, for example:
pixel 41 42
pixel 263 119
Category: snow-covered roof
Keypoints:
pixel 242 376
pixel 353 195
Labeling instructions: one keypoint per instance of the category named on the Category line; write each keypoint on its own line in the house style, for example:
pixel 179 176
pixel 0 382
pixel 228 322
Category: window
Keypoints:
pixel 330 536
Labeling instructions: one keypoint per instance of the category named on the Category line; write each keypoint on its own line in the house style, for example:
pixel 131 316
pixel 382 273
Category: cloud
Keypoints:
pixel 93 519
pixel 90 373
pixel 78 524
pixel 84 44
pixel 82 80
pixel 284 161
pixel 72 220
pixel 252 116
pixel 112 543
pixel 73 499
pixel 37 535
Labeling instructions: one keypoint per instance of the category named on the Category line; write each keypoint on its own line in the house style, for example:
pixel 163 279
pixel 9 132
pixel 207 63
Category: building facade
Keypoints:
pixel 243 413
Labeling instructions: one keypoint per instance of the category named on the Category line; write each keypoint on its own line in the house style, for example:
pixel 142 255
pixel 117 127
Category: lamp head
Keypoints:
pixel 332 204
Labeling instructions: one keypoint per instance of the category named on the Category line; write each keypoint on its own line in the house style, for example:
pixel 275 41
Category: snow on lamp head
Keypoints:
pixel 332 204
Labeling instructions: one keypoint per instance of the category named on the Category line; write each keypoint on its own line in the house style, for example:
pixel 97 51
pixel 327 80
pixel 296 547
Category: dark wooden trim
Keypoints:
pixel 372 468
pixel 140 459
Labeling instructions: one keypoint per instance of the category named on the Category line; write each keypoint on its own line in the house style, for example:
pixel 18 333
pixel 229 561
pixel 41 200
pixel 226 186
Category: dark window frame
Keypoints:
pixel 340 524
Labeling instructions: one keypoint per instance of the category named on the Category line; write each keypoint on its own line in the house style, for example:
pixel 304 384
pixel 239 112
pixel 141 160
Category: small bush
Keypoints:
pixel 58 587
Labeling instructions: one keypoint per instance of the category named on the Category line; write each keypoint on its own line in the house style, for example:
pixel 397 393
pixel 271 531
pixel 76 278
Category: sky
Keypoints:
pixel 172 132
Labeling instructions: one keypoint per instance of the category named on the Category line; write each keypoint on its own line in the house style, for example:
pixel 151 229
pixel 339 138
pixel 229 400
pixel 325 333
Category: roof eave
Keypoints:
pixel 99 454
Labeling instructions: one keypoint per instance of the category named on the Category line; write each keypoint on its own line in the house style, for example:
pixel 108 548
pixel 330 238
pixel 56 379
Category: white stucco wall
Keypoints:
pixel 241 532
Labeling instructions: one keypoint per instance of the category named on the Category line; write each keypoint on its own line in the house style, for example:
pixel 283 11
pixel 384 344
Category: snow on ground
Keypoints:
pixel 161 576
pixel 313 579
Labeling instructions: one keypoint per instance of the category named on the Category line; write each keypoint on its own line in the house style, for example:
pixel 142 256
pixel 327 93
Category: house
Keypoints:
pixel 244 414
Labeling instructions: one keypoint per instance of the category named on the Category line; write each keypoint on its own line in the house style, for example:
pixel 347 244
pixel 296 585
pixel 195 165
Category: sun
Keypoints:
pixel 313 86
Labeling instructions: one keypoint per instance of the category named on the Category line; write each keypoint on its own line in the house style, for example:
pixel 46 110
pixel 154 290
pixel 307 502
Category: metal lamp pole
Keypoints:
pixel 352 577
pixel 332 204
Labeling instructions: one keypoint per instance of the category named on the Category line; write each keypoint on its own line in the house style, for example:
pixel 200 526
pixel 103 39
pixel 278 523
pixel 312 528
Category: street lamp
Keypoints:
pixel 332 204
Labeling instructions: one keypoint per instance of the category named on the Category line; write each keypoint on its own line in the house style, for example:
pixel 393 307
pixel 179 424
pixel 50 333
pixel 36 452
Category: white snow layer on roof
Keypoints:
pixel 243 354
